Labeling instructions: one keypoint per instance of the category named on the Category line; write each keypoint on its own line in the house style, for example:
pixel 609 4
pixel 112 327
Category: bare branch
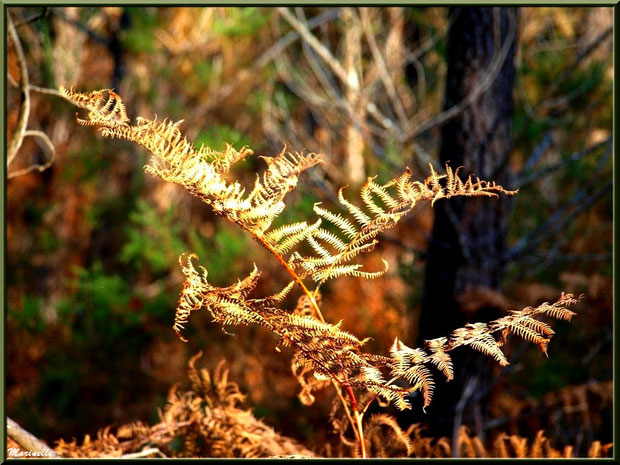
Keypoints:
pixel 145 453
pixel 557 221
pixel 319 48
pixel 44 12
pixel 47 145
pixel 292 36
pixel 538 152
pixel 46 91
pixel 81 27
pixel 24 108
pixel 431 41
pixel 26 440
pixel 524 178
pixel 24 112
pixel 386 79
pixel 271 54
pixel 339 71
pixel 559 80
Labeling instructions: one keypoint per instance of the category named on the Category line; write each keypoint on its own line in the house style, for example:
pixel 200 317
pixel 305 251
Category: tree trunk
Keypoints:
pixel 468 242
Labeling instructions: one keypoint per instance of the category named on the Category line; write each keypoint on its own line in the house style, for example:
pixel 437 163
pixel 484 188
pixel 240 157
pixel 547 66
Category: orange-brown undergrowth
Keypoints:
pixel 207 420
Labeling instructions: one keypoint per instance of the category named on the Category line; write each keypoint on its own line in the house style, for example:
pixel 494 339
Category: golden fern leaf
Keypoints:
pixel 295 236
pixel 478 336
pixel 342 223
pixel 102 111
pixel 526 326
pixel 362 218
pixel 202 172
pixel 132 430
pixel 439 357
pixel 366 195
pixel 522 329
pixel 377 219
pixel 280 295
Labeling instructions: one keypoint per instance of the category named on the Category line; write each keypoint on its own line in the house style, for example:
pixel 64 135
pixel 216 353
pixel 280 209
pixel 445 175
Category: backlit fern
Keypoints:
pixel 324 353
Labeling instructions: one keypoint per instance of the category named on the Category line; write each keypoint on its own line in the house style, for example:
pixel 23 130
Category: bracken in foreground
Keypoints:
pixel 314 252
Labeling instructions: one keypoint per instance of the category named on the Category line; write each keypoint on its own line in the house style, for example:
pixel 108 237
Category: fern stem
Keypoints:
pixel 288 268
pixel 357 425
pixel 346 408
pixel 358 420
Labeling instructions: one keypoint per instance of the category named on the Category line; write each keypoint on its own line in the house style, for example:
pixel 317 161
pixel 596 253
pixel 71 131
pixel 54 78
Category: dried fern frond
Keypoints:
pixel 208 419
pixel 323 352
pixel 203 173
pixel 385 438
pixel 384 206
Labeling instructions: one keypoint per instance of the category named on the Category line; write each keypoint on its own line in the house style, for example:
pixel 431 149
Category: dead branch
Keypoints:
pixel 269 55
pixel 26 440
pixel 381 64
pixel 24 108
pixel 385 124
pixel 560 79
pixel 21 131
pixel 524 177
pixel 557 221
pixel 538 152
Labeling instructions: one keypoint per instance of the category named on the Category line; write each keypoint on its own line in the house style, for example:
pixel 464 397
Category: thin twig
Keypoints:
pixel 24 112
pixel 559 80
pixel 433 39
pixel 555 223
pixel 44 12
pixel 81 27
pixel 49 148
pixel 468 391
pixel 371 108
pixel 579 257
pixel 386 79
pixel 265 58
pixel 538 152
pixel 47 91
pixel 524 178
pixel 319 48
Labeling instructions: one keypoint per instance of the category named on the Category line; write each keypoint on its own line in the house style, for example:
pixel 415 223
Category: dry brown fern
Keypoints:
pixel 210 422
pixel 324 353
pixel 415 444
pixel 207 418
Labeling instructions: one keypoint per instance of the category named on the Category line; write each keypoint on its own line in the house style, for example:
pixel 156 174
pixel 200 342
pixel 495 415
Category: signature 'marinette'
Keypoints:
pixel 324 353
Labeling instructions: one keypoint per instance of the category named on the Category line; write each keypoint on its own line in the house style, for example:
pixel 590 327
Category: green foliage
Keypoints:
pixel 83 166
pixel 139 37
pixel 101 301
pixel 224 252
pixel 203 70
pixel 155 240
pixel 28 316
pixel 48 63
pixel 241 21
pixel 152 238
pixel 217 136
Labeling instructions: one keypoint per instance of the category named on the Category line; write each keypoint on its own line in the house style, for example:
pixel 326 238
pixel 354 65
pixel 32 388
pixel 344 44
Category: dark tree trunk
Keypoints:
pixel 469 235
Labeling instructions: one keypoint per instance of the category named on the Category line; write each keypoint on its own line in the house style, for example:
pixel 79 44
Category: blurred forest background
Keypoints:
pixel 92 241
